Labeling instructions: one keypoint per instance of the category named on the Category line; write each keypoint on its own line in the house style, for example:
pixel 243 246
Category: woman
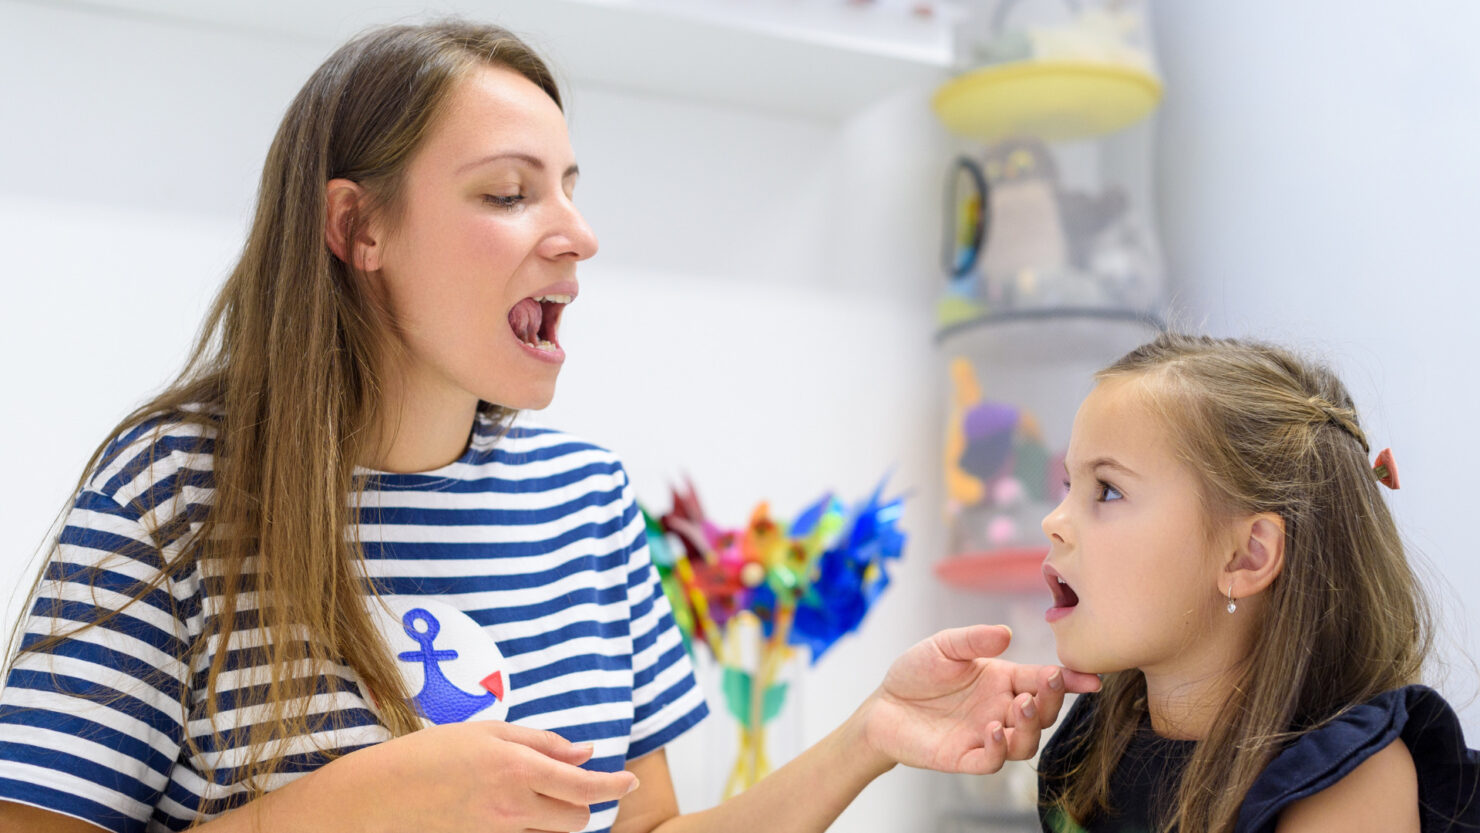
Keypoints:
pixel 202 649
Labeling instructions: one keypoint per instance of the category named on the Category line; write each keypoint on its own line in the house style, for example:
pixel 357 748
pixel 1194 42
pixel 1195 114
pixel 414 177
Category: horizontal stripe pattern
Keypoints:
pixel 533 534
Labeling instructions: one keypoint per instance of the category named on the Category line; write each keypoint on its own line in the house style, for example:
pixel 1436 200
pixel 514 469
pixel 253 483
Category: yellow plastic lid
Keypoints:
pixel 1052 100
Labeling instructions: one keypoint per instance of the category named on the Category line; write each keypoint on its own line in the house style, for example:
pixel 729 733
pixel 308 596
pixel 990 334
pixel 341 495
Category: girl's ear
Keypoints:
pixel 1260 555
pixel 344 200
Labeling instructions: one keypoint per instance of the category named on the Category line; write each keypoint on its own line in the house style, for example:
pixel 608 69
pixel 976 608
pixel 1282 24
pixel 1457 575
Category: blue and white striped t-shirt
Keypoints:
pixel 517 586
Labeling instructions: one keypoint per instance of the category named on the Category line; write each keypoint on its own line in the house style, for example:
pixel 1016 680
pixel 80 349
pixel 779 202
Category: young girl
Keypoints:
pixel 1225 557
pixel 319 584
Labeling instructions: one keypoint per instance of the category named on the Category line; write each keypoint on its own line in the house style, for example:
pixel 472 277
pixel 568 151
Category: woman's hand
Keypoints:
pixel 488 776
pixel 948 704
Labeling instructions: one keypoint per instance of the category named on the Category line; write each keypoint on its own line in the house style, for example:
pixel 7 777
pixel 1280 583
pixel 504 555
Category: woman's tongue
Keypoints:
pixel 525 318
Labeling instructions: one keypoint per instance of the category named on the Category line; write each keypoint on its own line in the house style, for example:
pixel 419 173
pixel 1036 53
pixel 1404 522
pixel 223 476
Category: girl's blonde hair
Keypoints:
pixel 286 375
pixel 1267 431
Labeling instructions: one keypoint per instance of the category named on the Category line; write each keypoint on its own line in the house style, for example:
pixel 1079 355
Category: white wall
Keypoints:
pixel 1320 186
pixel 759 315
pixel 130 155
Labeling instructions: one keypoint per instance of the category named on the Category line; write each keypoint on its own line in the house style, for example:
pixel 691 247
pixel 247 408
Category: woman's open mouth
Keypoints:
pixel 1064 597
pixel 536 322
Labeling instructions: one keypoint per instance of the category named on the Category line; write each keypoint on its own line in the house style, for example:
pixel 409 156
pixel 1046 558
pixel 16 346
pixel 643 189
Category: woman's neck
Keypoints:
pixel 422 426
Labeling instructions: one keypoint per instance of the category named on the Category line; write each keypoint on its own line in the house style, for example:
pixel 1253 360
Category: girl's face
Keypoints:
pixel 482 258
pixel 1129 542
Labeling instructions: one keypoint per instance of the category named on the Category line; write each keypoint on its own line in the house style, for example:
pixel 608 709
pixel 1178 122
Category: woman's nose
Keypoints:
pixel 573 237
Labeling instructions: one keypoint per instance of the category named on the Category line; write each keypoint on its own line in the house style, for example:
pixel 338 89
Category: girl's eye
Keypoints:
pixel 508 202
pixel 1108 492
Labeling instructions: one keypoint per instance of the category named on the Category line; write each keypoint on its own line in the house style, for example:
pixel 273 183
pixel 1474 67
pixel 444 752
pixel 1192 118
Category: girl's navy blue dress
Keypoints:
pixel 1448 771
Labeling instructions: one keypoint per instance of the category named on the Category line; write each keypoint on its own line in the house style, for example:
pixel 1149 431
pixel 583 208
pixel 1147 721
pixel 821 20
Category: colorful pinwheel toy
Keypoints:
pixel 805 584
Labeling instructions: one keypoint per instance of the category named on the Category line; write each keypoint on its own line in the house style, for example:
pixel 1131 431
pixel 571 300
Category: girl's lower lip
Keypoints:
pixel 1054 614
pixel 555 356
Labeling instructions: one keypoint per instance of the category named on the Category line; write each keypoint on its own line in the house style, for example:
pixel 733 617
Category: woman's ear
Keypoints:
pixel 344 201
pixel 1259 557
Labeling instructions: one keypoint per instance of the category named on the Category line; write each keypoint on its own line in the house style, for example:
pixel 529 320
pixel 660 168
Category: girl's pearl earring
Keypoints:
pixel 1232 605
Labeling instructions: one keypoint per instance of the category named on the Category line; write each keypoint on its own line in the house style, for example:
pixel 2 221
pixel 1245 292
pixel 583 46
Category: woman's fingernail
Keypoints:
pixel 997 733
pixel 1030 711
pixel 635 784
pixel 1056 682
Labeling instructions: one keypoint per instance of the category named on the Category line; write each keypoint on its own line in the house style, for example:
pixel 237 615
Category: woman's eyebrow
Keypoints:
pixel 533 161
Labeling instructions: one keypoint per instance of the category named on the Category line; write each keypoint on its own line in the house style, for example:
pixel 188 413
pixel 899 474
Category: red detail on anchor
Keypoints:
pixel 494 683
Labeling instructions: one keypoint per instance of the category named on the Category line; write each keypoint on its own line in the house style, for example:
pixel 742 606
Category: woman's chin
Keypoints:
pixel 534 397
pixel 523 403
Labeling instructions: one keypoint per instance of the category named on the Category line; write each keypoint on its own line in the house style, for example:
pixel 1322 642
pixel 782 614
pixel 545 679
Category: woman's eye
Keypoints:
pixel 1108 492
pixel 511 201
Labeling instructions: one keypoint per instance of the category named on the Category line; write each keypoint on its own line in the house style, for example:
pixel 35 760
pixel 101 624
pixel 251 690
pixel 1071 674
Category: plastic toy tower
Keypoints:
pixel 1050 257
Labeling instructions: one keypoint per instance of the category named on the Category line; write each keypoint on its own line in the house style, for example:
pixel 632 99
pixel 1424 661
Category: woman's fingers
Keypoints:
pixel 973 642
pixel 547 764
pixel 574 754
pixel 1079 682
pixel 1026 729
pixel 542 741
pixel 989 757
pixel 574 785
pixel 1016 742
pixel 1048 684
pixel 1049 696
pixel 560 816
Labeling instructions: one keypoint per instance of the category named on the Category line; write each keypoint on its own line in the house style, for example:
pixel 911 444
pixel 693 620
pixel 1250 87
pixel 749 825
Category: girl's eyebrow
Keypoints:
pixel 1107 463
pixel 1111 463
pixel 532 161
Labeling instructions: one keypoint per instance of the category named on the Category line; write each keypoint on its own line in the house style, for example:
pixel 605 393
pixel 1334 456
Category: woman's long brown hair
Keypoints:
pixel 1267 431
pixel 285 375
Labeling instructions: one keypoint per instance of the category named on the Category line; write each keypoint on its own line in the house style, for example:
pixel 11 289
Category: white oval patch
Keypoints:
pixel 451 665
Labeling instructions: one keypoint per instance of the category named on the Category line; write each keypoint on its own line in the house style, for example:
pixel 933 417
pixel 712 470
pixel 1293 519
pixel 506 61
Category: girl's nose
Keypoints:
pixel 1056 523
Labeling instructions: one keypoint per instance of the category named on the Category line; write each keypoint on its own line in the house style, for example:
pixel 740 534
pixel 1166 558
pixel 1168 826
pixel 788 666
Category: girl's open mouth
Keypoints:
pixel 1064 597
pixel 536 322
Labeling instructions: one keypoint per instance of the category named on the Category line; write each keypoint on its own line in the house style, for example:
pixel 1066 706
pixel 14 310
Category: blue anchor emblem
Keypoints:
pixel 441 701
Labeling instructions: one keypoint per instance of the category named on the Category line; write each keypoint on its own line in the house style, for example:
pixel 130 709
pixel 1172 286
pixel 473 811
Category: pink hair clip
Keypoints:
pixel 1386 469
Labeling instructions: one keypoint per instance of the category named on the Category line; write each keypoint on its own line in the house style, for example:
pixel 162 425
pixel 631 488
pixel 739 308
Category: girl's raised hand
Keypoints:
pixel 488 776
pixel 948 704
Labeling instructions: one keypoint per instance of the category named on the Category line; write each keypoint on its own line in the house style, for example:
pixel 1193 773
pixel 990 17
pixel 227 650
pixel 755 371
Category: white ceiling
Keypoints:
pixel 818 58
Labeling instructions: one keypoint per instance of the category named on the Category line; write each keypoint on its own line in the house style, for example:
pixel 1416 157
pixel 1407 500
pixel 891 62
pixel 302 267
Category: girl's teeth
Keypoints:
pixel 554 299
pixel 547 346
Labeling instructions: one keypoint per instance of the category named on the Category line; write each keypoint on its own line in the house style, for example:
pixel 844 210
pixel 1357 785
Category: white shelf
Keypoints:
pixel 825 61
